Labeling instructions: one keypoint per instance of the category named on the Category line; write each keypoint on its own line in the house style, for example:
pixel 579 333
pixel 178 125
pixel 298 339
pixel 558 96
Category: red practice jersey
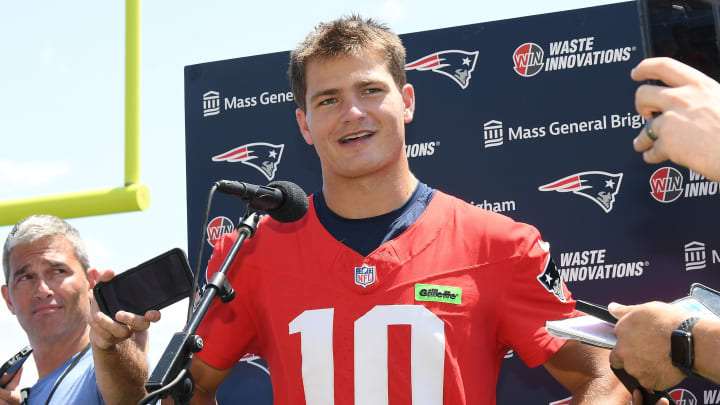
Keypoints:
pixel 426 318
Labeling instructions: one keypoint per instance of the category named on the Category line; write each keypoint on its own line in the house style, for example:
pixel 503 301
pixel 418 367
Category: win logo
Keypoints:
pixel 528 59
pixel 217 227
pixel 666 184
pixel 211 103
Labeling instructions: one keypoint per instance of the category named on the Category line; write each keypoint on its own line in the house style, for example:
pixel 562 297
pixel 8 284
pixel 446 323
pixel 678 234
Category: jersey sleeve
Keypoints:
pixel 535 294
pixel 227 328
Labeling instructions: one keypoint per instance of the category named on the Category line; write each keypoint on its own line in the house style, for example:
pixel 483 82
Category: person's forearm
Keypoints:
pixel 200 397
pixel 706 339
pixel 601 391
pixel 121 372
pixel 203 398
pixel 585 372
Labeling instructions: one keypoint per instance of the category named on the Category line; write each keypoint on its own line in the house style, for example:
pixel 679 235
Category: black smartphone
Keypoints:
pixel 598 311
pixel 686 30
pixel 155 284
pixel 11 367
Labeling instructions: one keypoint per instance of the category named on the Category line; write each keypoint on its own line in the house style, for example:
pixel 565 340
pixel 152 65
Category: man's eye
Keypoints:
pixel 58 270
pixel 372 90
pixel 327 101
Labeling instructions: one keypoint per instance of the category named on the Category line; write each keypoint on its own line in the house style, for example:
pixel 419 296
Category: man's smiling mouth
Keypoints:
pixel 355 137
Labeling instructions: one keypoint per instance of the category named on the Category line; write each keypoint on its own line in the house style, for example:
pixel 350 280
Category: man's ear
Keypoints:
pixel 408 96
pixel 92 277
pixel 6 297
pixel 302 124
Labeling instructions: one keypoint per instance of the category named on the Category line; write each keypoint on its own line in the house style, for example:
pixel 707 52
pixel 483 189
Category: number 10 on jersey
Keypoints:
pixel 427 354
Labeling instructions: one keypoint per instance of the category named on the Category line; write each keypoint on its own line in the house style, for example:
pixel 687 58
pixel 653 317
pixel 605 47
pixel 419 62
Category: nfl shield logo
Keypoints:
pixel 364 275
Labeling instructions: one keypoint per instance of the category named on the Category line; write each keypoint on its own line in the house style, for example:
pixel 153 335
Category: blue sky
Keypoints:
pixel 61 119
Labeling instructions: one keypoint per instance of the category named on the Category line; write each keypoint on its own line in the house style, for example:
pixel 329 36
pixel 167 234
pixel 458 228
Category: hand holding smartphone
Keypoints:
pixel 154 284
pixel 10 368
pixel 707 296
pixel 686 30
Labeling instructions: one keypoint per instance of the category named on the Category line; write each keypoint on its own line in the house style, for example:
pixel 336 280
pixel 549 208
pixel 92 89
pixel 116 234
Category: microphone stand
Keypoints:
pixel 171 375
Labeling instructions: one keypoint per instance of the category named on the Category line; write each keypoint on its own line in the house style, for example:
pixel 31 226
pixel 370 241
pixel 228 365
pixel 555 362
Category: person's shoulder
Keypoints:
pixel 497 231
pixel 270 232
pixel 478 217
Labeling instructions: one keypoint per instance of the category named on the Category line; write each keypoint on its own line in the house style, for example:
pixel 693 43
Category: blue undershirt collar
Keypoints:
pixel 367 234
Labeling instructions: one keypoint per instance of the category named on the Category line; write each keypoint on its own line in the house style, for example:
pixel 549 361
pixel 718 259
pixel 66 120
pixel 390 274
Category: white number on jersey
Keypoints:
pixel 427 354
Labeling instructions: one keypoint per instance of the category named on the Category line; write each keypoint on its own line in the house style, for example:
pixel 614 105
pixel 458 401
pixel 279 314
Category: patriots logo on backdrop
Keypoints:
pixel 261 155
pixel 600 187
pixel 364 275
pixel 455 64
pixel 550 279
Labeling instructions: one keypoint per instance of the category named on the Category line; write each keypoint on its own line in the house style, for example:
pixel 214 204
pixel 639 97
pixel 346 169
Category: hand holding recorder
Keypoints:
pixel 11 394
pixel 10 374
pixel 643 345
pixel 661 343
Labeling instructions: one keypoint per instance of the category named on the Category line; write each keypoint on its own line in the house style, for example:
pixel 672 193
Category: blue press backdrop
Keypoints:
pixel 541 102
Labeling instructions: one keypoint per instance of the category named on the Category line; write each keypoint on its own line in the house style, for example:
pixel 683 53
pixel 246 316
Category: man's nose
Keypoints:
pixel 353 109
pixel 43 289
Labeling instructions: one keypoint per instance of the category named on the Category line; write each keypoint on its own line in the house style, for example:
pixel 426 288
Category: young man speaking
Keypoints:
pixel 387 291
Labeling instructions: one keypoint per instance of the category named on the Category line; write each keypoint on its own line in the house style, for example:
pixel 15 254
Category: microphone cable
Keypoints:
pixel 196 275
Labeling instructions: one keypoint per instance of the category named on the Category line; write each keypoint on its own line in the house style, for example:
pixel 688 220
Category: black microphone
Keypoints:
pixel 282 200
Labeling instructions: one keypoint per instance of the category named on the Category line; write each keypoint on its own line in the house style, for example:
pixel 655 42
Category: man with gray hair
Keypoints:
pixel 82 355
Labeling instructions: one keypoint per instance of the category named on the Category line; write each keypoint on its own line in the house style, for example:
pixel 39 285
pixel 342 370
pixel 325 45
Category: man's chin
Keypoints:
pixel 49 327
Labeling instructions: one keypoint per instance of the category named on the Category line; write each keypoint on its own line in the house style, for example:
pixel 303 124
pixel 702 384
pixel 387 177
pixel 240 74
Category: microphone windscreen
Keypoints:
pixel 295 204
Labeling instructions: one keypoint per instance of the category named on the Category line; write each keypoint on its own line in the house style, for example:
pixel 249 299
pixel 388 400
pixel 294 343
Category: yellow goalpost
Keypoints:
pixel 133 195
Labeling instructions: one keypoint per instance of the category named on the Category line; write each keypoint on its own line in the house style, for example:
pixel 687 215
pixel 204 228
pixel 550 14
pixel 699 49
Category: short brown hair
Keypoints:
pixel 352 35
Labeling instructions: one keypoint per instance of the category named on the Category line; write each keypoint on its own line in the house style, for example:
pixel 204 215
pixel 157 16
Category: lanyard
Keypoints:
pixel 67 370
